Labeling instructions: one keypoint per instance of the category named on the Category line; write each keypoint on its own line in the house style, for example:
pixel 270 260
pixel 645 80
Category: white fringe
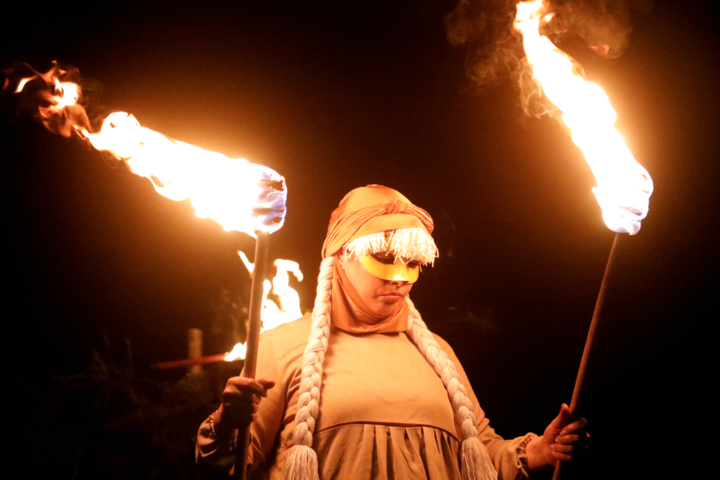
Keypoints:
pixel 409 244
pixel 301 464
pixel 476 463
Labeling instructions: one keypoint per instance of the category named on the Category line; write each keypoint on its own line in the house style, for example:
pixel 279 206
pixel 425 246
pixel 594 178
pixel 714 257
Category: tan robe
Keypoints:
pixel 384 412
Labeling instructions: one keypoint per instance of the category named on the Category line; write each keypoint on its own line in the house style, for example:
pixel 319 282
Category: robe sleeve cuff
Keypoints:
pixel 522 453
pixel 215 452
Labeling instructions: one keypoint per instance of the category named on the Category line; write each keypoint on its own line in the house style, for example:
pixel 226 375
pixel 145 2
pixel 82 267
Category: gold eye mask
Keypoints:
pixel 393 270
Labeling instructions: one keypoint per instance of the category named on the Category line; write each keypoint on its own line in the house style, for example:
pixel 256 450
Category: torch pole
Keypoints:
pixel 253 334
pixel 587 352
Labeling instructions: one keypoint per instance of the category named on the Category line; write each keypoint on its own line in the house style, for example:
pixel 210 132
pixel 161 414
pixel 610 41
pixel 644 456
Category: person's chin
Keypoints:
pixel 389 305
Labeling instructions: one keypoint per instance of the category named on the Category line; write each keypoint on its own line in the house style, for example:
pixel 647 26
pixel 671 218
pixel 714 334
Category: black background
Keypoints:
pixel 336 95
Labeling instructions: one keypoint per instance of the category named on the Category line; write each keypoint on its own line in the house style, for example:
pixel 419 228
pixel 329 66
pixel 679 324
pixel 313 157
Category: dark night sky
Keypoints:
pixel 335 95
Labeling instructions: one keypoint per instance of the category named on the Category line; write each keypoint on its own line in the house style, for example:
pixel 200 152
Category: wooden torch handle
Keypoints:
pixel 259 273
pixel 578 390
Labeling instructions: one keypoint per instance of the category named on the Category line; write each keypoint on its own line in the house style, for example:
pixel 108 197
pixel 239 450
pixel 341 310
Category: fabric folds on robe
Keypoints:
pixel 384 413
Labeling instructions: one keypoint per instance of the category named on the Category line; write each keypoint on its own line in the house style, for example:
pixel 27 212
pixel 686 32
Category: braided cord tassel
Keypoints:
pixel 475 460
pixel 302 461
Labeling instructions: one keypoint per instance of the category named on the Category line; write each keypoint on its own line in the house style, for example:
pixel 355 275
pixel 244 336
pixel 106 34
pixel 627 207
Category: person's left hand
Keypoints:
pixel 562 440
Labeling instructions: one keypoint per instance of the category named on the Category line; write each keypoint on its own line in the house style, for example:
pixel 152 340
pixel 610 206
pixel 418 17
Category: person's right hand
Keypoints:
pixel 241 399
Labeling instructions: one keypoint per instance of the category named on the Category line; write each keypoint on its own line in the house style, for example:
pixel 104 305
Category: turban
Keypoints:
pixel 372 209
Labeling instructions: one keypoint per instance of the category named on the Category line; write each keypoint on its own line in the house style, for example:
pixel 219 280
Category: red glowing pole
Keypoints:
pixel 259 272
pixel 186 362
pixel 578 390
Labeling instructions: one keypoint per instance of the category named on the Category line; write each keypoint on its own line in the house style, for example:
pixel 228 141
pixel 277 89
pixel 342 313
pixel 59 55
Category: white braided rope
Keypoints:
pixel 302 459
pixel 475 460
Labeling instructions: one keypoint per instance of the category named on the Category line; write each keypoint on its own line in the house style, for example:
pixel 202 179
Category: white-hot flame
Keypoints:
pixel 623 185
pixel 239 195
pixel 21 84
pixel 68 94
pixel 284 308
pixel 237 353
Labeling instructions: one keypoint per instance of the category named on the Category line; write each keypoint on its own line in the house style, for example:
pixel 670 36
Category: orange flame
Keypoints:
pixel 623 185
pixel 239 195
pixel 237 353
pixel 286 306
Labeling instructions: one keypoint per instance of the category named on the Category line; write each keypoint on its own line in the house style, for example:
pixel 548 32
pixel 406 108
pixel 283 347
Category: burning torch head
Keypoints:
pixel 269 209
pixel 239 195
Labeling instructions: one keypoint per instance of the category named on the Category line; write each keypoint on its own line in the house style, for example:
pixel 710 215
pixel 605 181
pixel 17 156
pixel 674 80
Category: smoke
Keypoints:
pixel 485 28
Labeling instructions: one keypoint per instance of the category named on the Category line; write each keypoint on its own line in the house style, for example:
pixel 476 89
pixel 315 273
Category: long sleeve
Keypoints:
pixel 219 454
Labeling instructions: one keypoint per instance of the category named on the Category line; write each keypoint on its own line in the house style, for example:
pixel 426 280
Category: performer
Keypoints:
pixel 372 394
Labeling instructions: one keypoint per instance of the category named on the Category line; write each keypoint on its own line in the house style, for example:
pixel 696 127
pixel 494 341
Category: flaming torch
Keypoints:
pixel 281 304
pixel 239 195
pixel 623 185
